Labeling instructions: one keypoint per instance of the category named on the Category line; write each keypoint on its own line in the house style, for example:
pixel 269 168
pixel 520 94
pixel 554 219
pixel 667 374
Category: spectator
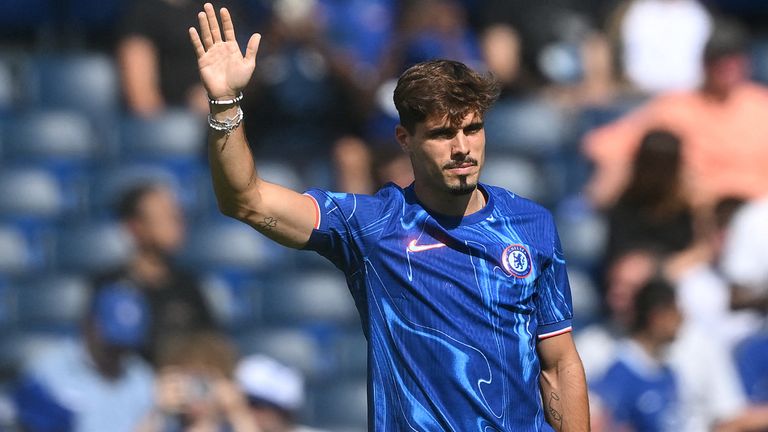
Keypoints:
pixel 721 125
pixel 652 210
pixel 275 393
pixel 640 391
pixel 95 384
pixel 744 263
pixel 661 43
pixel 155 59
pixel 151 214
pixel 705 294
pixel 195 389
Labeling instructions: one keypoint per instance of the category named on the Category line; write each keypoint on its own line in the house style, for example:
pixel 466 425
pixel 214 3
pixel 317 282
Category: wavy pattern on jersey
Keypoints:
pixel 448 350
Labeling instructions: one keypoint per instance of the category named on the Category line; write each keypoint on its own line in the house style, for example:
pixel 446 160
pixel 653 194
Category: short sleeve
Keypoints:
pixel 348 226
pixel 554 304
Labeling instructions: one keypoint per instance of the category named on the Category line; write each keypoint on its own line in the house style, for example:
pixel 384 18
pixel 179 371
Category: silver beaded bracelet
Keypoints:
pixel 237 99
pixel 228 124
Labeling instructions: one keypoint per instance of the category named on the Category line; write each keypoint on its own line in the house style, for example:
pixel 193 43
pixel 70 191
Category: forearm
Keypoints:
pixel 564 395
pixel 233 170
pixel 140 75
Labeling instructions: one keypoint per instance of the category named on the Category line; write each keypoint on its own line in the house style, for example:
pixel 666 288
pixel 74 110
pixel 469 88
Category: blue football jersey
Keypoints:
pixel 452 307
pixel 639 393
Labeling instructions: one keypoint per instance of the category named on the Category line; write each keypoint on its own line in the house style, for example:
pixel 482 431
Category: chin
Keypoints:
pixel 462 188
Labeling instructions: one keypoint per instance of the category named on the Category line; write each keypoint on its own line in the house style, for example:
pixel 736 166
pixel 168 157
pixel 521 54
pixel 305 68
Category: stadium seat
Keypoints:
pixel 583 232
pixel 7 86
pixel 15 255
pixel 83 82
pixel 343 404
pixel 227 244
pixel 585 295
pixel 230 299
pixel 29 193
pixel 759 54
pixel 172 135
pixel 281 173
pixel 50 137
pixel 519 175
pixel 110 182
pixel 291 346
pixel 351 353
pixel 7 305
pixel 313 297
pixel 527 127
pixel 25 15
pixel 92 248
pixel 52 302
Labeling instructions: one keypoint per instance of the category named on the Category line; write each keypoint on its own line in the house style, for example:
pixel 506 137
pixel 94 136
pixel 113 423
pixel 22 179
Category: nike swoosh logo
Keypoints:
pixel 413 247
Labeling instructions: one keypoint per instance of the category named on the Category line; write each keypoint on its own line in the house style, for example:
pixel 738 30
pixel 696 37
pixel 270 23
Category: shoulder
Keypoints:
pixel 522 209
pixel 388 195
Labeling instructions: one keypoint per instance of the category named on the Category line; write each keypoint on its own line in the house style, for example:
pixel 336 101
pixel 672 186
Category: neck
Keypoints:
pixel 150 267
pixel 448 204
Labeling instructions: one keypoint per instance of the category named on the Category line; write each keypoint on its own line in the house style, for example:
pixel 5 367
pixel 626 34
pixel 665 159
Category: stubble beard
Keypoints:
pixel 463 188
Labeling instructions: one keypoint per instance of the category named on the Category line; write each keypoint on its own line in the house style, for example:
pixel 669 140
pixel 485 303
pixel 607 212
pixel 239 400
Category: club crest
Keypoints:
pixel 516 260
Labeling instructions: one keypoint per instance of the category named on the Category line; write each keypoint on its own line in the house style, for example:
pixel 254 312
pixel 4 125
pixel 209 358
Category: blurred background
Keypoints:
pixel 640 124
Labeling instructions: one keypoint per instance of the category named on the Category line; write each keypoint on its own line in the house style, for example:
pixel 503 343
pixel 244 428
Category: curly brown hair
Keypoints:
pixel 443 87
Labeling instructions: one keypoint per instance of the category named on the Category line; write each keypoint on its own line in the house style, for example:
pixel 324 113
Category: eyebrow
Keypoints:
pixel 447 130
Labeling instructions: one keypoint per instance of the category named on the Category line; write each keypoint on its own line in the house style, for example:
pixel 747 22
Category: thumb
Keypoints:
pixel 252 48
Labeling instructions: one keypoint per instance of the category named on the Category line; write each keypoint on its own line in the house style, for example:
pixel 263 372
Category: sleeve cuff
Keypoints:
pixel 551 330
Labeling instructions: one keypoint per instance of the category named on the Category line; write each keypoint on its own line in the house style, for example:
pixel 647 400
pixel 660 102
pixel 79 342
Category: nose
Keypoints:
pixel 460 146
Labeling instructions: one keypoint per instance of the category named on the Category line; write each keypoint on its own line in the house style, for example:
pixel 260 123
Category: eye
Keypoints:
pixel 473 129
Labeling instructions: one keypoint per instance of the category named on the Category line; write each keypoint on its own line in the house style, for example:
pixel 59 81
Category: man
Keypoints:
pixel 152 216
pixel 95 385
pixel 721 124
pixel 461 286
pixel 640 391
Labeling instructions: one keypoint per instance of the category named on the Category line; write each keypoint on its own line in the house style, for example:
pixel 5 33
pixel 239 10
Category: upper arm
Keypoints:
pixel 557 351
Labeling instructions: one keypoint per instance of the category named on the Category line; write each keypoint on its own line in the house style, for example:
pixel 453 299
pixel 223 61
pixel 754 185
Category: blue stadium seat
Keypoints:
pixel 15 254
pixel 7 86
pixel 55 136
pixel 290 346
pixel 342 404
pixel 29 193
pixel 7 305
pixel 759 54
pixel 313 297
pixel 228 244
pixel 751 356
pixel 92 248
pixel 527 127
pixel 94 14
pixel 84 82
pixel 52 302
pixel 25 15
pixel 519 175
pixel 231 300
pixel 583 232
pixel 110 182
pixel 351 353
pixel 170 136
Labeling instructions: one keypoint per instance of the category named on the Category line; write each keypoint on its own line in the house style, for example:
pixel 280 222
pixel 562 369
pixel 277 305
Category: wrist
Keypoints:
pixel 225 100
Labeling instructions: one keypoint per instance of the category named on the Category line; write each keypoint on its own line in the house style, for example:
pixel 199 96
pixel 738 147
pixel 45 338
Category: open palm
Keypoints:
pixel 223 69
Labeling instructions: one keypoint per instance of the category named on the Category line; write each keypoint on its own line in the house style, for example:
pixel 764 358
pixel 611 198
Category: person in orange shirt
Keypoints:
pixel 723 126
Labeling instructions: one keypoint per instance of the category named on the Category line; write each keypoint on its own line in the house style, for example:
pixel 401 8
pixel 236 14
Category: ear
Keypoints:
pixel 403 138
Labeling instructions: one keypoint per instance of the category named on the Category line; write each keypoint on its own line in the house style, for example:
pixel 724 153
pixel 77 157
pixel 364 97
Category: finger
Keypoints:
pixel 227 26
pixel 196 42
pixel 252 48
pixel 213 22
pixel 205 30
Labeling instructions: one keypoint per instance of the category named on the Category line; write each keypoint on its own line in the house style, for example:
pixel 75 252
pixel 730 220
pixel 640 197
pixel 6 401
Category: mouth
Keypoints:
pixel 461 168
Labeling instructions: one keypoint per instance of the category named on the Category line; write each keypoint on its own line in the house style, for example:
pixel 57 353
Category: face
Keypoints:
pixel 446 159
pixel 159 224
pixel 726 73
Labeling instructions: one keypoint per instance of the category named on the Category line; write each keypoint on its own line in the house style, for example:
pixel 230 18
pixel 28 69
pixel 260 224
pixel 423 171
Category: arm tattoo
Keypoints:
pixel 268 224
pixel 554 414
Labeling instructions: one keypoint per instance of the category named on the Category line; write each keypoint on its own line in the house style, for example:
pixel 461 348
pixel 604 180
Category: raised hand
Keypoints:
pixel 224 71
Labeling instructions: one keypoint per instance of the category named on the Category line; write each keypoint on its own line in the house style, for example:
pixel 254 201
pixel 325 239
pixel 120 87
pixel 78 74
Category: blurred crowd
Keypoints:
pixel 127 303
